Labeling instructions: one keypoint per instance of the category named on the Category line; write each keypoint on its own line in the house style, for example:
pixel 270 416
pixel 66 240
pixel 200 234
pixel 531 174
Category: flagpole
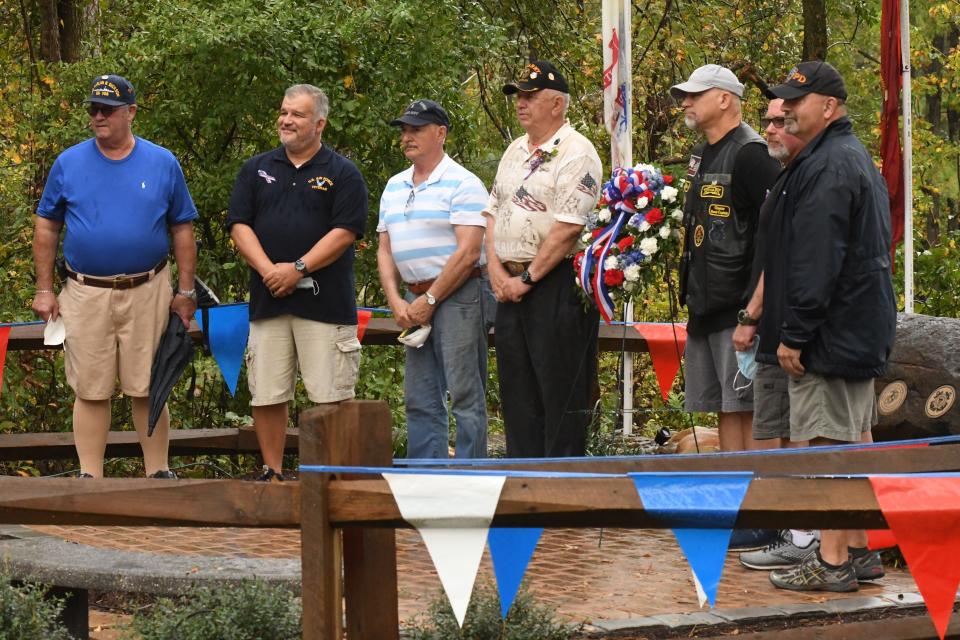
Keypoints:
pixel 626 146
pixel 907 108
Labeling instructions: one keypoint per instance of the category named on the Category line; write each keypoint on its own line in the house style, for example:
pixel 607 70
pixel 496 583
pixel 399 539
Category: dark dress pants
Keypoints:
pixel 546 360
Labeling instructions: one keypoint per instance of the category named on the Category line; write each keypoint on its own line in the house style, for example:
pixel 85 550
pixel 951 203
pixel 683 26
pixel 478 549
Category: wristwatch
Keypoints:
pixel 744 319
pixel 300 266
pixel 431 300
pixel 526 278
pixel 191 294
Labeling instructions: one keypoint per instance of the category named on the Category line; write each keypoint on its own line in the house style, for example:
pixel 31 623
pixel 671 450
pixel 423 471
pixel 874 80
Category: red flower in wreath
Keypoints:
pixel 577 261
pixel 625 243
pixel 654 216
pixel 613 277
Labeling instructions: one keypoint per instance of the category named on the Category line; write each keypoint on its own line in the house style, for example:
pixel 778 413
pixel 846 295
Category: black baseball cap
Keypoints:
pixel 112 90
pixel 421 112
pixel 539 74
pixel 813 76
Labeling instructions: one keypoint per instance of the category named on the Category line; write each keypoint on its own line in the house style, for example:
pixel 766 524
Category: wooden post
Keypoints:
pixel 351 433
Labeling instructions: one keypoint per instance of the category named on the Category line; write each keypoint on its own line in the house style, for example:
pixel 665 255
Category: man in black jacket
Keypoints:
pixel 829 310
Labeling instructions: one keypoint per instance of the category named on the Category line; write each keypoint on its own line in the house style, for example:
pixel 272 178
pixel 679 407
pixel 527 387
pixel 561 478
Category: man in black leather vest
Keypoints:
pixel 727 180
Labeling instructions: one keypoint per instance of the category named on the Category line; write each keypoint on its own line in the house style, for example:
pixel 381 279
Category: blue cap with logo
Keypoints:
pixel 112 90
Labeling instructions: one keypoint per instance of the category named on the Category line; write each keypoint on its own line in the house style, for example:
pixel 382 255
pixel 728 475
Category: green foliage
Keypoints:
pixel 526 619
pixel 248 611
pixel 27 614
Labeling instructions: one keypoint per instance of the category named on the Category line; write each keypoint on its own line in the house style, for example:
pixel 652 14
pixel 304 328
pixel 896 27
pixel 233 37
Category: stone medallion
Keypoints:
pixel 892 397
pixel 940 401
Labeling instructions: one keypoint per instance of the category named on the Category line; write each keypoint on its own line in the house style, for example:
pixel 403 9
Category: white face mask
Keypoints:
pixel 747 364
pixel 414 336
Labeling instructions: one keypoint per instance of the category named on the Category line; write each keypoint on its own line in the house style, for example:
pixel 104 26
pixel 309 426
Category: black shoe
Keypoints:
pixel 269 475
pixel 164 474
pixel 85 475
pixel 752 539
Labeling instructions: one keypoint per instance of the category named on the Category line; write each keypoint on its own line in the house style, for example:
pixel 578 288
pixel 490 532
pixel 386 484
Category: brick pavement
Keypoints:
pixel 586 574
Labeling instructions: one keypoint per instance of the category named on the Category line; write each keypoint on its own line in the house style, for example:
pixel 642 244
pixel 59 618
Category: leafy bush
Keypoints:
pixel 27 614
pixel 526 620
pixel 248 611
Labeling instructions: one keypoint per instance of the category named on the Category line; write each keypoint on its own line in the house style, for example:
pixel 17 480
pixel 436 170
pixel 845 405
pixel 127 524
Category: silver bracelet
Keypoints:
pixel 43 291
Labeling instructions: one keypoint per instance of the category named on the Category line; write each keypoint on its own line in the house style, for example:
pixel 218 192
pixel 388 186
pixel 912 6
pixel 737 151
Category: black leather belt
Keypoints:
pixel 117 282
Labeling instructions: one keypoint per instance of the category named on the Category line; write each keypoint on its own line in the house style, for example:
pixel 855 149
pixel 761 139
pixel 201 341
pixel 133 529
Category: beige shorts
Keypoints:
pixel 328 356
pixel 826 407
pixel 111 332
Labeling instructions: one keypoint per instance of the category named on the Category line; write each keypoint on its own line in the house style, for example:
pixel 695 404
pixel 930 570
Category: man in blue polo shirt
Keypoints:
pixel 431 237
pixel 295 213
pixel 118 195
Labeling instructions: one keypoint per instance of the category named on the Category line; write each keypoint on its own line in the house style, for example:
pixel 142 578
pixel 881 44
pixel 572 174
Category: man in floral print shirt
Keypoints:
pixel 547 183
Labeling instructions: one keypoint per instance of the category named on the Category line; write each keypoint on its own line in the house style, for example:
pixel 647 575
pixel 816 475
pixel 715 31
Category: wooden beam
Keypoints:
pixel 183 442
pixel 943 457
pixel 917 626
pixel 791 502
pixel 380 331
pixel 147 502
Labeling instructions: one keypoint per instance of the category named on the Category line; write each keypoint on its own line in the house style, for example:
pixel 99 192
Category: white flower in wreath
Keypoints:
pixel 603 215
pixel 631 273
pixel 649 246
pixel 587 237
pixel 642 202
pixel 611 263
pixel 665 232
pixel 644 226
pixel 629 286
pixel 668 194
pixel 677 215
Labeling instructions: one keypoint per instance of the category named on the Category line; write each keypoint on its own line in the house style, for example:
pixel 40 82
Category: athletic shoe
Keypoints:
pixel 85 475
pixel 813 575
pixel 164 474
pixel 782 554
pixel 269 475
pixel 752 539
pixel 866 563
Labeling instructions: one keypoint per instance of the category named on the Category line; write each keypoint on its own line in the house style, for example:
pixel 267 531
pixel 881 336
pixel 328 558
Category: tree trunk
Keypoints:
pixel 63 25
pixel 814 30
pixel 49 31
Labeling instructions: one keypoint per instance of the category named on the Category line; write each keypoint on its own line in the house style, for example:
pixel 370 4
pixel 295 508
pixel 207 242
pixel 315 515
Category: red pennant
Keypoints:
pixel 4 339
pixel 880 539
pixel 363 317
pixel 666 343
pixel 924 514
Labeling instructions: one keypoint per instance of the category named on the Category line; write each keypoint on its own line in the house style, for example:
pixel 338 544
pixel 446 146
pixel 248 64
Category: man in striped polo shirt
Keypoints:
pixel 431 230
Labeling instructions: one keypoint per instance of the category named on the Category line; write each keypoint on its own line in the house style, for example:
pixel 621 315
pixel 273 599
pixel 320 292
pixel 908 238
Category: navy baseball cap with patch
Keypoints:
pixel 112 90
pixel 812 76
pixel 539 74
pixel 421 112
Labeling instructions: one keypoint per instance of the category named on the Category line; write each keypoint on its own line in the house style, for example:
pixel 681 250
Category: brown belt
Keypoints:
pixel 117 282
pixel 515 268
pixel 419 288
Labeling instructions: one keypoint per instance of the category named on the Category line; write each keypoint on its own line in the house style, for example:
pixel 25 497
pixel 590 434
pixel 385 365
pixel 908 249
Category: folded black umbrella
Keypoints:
pixel 173 354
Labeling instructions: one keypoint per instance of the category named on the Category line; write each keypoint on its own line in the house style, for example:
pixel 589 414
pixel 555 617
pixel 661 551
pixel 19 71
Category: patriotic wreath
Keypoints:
pixel 635 228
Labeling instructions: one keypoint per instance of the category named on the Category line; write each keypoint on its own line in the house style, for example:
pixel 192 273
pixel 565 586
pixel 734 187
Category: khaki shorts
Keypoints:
pixel 328 356
pixel 111 332
pixel 825 407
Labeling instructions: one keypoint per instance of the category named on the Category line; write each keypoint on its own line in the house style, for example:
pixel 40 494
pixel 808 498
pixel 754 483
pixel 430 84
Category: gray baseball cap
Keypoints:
pixel 709 76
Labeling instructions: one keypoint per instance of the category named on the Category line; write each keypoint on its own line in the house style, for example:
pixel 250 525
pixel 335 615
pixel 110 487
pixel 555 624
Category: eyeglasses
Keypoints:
pixel 407 207
pixel 776 122
pixel 94 108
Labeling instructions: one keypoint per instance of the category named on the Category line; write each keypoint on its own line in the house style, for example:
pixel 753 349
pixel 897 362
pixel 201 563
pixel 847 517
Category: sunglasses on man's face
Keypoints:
pixel 93 109
pixel 776 122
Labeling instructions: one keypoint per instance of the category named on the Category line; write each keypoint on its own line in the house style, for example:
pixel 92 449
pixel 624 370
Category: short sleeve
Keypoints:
pixel 53 203
pixel 182 209
pixel 350 202
pixel 578 189
pixel 468 203
pixel 241 209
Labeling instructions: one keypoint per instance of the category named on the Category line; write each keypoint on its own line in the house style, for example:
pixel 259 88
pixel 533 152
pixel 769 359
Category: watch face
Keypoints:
pixel 300 266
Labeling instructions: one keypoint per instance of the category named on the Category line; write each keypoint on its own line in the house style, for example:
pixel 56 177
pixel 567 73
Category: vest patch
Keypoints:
pixel 698 235
pixel 711 191
pixel 719 210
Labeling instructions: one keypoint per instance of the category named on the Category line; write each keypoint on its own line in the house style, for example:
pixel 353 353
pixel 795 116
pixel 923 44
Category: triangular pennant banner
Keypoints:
pixel 4 339
pixel 511 550
pixel 363 319
pixel 701 595
pixel 924 514
pixel 228 331
pixel 704 507
pixel 452 513
pixel 880 539
pixel 666 343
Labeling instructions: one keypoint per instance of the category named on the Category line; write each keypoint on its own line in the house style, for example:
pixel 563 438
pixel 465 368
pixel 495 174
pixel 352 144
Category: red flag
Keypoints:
pixel 891 156
pixel 666 343
pixel 4 339
pixel 924 514
pixel 363 317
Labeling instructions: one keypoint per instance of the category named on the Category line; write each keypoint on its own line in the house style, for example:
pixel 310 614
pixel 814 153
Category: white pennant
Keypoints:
pixel 701 594
pixel 452 512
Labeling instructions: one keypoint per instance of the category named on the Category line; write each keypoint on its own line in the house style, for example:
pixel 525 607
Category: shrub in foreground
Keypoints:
pixel 26 614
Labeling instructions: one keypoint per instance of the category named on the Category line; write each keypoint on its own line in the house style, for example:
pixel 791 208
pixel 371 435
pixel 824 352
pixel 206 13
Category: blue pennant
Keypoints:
pixel 703 508
pixel 511 550
pixel 229 328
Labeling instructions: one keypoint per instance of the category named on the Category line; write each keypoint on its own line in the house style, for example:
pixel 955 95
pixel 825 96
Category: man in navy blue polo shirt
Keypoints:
pixel 295 213
pixel 124 202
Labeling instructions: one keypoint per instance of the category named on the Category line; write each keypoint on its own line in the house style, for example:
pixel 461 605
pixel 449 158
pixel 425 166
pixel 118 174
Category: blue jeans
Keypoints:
pixel 454 360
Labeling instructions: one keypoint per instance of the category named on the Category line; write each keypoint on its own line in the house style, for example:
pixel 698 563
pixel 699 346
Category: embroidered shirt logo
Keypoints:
pixel 320 183
pixel 266 176
pixel 143 185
